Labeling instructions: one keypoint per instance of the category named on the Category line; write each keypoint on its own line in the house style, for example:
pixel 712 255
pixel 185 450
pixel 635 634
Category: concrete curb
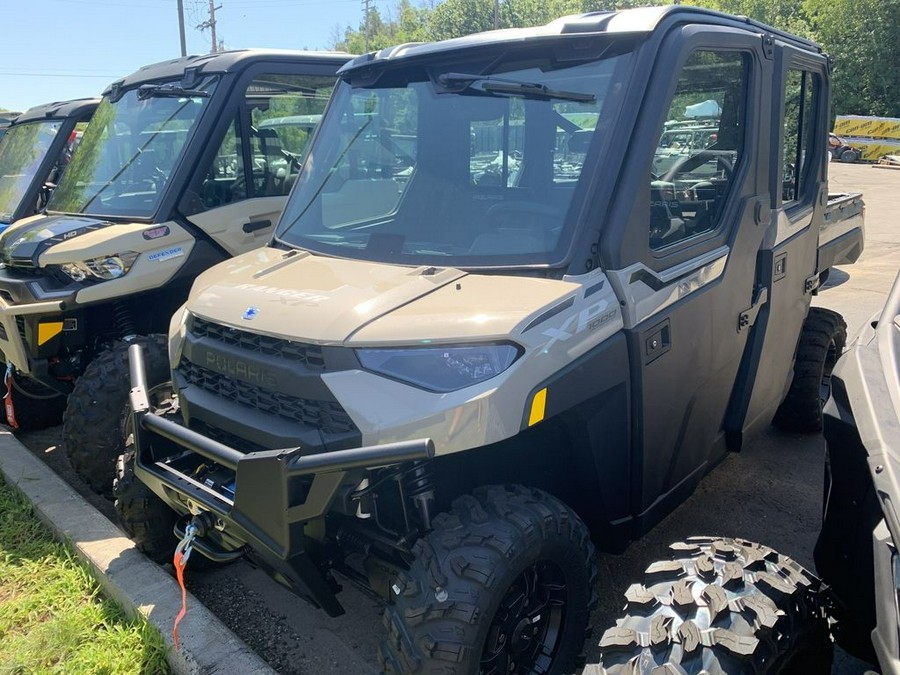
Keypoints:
pixel 133 581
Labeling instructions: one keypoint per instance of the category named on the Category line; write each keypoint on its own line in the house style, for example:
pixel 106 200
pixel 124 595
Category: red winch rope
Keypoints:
pixel 8 400
pixel 180 564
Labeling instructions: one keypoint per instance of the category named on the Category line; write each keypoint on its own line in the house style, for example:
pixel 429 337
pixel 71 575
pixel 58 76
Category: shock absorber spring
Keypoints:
pixel 124 319
pixel 419 487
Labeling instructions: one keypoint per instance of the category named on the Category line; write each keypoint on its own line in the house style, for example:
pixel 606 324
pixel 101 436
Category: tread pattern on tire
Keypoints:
pixel 144 517
pixel 722 606
pixel 801 409
pixel 92 423
pixel 444 604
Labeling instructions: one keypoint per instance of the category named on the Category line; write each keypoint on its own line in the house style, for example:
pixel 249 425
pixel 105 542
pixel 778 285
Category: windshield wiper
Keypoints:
pixel 169 90
pixel 500 85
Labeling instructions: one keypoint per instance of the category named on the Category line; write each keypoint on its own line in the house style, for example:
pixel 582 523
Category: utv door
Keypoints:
pixel 787 266
pixel 687 256
pixel 241 187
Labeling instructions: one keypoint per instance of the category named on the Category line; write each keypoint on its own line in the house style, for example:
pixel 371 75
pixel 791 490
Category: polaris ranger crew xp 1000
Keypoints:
pixel 486 332
pixel 176 172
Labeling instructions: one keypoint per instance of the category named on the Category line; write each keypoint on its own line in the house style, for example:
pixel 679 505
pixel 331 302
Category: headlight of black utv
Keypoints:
pixel 443 368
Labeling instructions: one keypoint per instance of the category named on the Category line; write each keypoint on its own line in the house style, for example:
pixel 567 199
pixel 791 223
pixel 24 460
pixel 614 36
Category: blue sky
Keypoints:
pixel 52 50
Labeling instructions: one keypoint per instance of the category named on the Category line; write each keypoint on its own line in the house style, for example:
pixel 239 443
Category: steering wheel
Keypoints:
pixel 693 162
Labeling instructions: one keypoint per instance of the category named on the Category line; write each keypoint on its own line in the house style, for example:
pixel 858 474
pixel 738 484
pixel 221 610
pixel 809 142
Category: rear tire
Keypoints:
pixel 719 606
pixel 821 343
pixel 850 156
pixel 36 406
pixel 503 583
pixel 94 421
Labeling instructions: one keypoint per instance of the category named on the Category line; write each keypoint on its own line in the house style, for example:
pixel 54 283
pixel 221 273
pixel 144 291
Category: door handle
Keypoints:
pixel 255 225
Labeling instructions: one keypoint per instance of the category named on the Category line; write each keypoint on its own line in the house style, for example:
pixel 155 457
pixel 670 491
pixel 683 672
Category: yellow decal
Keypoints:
pixel 48 331
pixel 537 407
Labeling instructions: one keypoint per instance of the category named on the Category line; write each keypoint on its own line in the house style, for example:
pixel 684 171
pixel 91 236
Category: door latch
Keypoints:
pixel 811 284
pixel 748 317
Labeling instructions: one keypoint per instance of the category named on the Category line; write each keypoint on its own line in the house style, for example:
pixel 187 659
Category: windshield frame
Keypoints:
pixel 623 47
pixel 217 85
pixel 41 168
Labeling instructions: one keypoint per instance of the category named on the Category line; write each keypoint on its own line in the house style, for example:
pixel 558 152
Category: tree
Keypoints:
pixel 863 36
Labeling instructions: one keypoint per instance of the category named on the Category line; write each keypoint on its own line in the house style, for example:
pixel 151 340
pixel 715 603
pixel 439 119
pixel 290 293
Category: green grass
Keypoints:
pixel 52 616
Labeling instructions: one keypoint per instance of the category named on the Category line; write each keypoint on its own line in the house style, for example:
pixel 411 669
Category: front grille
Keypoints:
pixel 328 416
pixel 20 324
pixel 309 355
pixel 226 438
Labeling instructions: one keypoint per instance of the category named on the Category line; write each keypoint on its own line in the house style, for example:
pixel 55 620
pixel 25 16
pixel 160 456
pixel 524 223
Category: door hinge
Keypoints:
pixel 748 317
pixel 811 285
pixel 768 46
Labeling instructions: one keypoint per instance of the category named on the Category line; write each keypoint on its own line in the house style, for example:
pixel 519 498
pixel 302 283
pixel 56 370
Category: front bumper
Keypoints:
pixel 275 492
pixel 34 328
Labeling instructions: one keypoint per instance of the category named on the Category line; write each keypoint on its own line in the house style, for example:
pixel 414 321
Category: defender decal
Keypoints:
pixel 166 254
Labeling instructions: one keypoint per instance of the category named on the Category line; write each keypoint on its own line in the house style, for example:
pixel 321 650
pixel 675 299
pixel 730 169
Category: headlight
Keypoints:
pixel 440 369
pixel 104 268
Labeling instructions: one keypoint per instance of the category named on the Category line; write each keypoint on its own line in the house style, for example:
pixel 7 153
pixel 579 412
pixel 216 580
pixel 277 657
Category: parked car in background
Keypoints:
pixel 840 150
pixel 4 124
pixel 35 152
pixel 176 172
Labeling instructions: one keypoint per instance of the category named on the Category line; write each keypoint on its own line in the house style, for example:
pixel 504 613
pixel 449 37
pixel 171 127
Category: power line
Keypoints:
pixel 211 24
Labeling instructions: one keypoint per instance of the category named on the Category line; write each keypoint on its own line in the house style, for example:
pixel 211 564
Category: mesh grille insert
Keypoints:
pixel 309 355
pixel 328 416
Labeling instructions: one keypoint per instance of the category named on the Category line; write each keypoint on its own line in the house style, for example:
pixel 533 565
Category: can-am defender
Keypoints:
pixel 35 151
pixel 486 331
pixel 175 173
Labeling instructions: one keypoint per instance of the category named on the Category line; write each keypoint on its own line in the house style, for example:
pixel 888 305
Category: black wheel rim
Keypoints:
pixel 527 628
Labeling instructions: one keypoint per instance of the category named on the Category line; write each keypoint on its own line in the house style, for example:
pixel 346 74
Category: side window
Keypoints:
pixel 700 148
pixel 801 88
pixel 284 112
pixel 224 182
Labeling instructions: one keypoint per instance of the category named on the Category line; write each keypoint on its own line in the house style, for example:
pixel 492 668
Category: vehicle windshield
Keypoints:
pixel 22 151
pixel 436 166
pixel 129 150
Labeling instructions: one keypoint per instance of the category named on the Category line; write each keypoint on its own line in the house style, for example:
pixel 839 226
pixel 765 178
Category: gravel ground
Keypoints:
pixel 771 493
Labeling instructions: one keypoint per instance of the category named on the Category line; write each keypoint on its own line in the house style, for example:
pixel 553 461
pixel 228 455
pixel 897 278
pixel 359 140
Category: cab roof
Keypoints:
pixel 78 108
pixel 629 21
pixel 223 62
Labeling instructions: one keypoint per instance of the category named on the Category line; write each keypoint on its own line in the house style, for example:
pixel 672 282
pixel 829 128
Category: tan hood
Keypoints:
pixel 305 297
pixel 333 301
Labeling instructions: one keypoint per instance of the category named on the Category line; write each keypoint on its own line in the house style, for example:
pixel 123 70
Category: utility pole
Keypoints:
pixel 211 24
pixel 181 27
pixel 496 14
pixel 365 4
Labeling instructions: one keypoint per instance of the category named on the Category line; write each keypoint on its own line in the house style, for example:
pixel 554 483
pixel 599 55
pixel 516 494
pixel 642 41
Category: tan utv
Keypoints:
pixel 487 335
pixel 178 170
pixel 35 152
